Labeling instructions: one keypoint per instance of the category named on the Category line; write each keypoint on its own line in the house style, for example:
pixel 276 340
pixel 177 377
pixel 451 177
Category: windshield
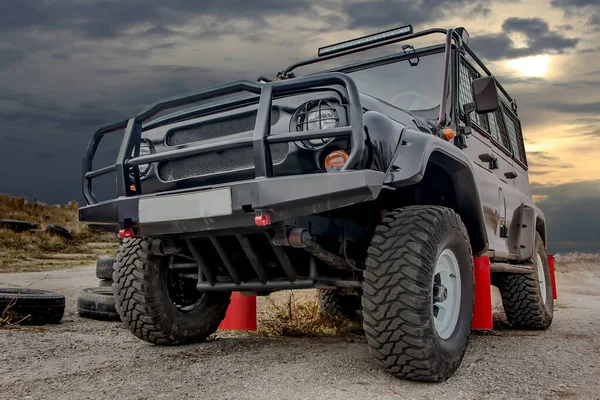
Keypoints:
pixel 415 88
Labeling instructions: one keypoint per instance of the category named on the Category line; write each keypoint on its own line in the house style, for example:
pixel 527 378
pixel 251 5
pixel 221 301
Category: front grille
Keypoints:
pixel 217 128
pixel 235 159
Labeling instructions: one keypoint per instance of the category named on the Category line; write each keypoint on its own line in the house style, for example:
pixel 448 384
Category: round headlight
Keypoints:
pixel 317 115
pixel 145 149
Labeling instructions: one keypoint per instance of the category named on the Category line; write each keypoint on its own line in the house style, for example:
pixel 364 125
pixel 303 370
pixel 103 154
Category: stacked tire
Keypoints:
pixel 99 302
pixel 104 271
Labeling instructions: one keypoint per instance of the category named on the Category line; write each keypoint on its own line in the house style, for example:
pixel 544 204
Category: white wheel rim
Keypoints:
pixel 446 294
pixel 541 278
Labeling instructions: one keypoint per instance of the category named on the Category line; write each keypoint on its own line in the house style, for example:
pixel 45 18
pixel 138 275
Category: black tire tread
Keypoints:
pixel 334 304
pixel 105 267
pixel 31 306
pixel 97 303
pixel 395 313
pixel 136 283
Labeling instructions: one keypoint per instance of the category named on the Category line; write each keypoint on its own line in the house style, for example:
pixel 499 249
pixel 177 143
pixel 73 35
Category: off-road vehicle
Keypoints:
pixel 376 182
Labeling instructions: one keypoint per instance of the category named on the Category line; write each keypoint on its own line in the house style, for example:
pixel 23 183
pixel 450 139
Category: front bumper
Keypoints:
pixel 282 197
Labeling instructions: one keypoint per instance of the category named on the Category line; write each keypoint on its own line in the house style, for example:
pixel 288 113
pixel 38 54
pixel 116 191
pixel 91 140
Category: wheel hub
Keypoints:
pixel 446 294
pixel 440 293
pixel 541 277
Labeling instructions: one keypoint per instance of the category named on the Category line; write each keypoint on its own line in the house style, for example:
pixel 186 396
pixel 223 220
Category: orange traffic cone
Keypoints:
pixel 241 314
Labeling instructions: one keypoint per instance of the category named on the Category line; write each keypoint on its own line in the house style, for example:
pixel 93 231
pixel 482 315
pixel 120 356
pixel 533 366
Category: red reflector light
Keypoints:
pixel 262 219
pixel 126 233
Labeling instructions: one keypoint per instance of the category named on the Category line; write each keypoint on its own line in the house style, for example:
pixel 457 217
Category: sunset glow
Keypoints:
pixel 536 66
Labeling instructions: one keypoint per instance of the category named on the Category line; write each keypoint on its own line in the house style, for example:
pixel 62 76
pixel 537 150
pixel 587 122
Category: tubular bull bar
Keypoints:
pixel 260 141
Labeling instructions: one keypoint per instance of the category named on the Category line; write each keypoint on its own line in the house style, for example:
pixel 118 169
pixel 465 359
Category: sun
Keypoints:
pixel 535 66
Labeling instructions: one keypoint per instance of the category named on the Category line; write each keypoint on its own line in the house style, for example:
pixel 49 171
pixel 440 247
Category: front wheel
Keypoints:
pixel 418 293
pixel 158 306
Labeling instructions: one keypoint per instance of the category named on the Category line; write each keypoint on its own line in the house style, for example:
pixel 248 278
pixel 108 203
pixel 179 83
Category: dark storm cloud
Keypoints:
pixel 109 19
pixel 10 56
pixel 539 159
pixel 572 215
pixel 481 10
pixel 532 27
pixel 577 108
pixel 586 8
pixel 541 163
pixel 540 40
pixel 383 13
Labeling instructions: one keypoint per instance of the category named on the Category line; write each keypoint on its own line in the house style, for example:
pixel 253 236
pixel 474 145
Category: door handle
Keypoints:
pixel 491 159
pixel 510 175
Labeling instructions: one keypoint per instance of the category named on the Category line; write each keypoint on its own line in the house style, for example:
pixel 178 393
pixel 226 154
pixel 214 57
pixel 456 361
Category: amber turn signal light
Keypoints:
pixel 335 160
pixel 449 133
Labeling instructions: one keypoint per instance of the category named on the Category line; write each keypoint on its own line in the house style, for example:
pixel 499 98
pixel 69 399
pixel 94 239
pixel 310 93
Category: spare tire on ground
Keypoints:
pixel 14 225
pixel 104 267
pixel 97 303
pixel 31 306
pixel 105 283
pixel 59 231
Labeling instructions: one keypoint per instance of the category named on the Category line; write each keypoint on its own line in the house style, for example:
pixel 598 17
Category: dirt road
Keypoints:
pixel 86 359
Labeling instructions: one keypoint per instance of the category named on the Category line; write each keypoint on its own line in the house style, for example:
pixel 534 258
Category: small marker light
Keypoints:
pixel 262 219
pixel 335 160
pixel 126 233
pixel 449 133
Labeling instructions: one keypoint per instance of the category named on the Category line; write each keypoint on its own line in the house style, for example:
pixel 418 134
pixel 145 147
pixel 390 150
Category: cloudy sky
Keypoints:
pixel 68 67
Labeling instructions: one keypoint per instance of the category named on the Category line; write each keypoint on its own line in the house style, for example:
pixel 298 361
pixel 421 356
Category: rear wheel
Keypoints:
pixel 418 293
pixel 157 305
pixel 336 304
pixel 528 299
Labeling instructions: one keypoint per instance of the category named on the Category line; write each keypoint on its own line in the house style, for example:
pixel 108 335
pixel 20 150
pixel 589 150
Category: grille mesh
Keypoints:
pixel 216 129
pixel 515 135
pixel 235 159
pixel 498 130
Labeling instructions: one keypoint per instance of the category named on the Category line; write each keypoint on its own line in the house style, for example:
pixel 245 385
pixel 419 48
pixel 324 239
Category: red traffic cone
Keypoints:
pixel 482 310
pixel 241 314
pixel 551 265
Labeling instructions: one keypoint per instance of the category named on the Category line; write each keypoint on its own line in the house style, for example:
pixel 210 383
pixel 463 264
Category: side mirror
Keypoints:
pixel 485 95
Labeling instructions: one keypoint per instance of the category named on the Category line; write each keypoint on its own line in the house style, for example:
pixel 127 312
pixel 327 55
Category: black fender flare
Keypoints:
pixel 415 152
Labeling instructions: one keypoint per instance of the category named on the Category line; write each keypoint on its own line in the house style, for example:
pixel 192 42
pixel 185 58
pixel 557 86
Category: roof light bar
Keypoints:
pixel 374 38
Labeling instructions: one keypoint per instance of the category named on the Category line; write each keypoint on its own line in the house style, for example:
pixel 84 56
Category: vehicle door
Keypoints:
pixel 479 149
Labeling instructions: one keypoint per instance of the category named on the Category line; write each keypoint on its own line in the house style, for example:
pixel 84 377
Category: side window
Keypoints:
pixel 513 127
pixel 466 75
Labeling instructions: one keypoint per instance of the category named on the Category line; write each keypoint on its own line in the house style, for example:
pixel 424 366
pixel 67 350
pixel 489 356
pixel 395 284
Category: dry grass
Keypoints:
pixel 577 262
pixel 22 251
pixel 301 317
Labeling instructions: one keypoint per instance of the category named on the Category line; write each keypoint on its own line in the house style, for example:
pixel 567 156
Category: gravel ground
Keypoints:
pixel 87 359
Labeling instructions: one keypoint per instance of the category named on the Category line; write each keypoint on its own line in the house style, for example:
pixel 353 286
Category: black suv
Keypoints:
pixel 376 183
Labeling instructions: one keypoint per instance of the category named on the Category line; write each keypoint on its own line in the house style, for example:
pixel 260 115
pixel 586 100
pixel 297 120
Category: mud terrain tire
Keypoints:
pixel 334 304
pixel 143 300
pixel 407 249
pixel 523 297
